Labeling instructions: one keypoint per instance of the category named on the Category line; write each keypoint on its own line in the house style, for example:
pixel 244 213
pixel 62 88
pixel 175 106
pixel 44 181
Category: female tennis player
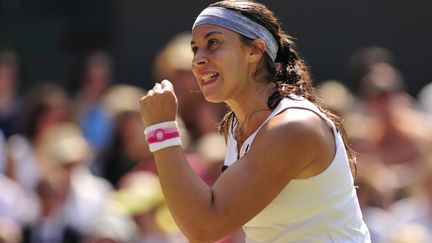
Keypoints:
pixel 288 169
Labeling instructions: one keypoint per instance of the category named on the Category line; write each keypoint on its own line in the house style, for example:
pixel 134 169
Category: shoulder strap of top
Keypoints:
pixel 299 103
pixel 286 103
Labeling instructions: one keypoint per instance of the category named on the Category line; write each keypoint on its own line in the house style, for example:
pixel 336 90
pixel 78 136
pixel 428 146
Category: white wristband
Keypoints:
pixel 162 135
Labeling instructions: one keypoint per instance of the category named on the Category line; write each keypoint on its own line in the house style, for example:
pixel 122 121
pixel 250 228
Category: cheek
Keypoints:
pixel 237 61
pixel 195 81
pixel 194 72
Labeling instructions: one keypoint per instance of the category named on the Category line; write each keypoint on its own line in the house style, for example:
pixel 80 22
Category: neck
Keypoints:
pixel 251 102
pixel 251 110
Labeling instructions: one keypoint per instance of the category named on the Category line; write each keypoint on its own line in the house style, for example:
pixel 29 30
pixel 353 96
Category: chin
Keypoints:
pixel 212 100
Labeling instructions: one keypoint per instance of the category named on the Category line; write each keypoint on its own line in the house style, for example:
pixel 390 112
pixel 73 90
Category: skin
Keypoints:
pixel 294 144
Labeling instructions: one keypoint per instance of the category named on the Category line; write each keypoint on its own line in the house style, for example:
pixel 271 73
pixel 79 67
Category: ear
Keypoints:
pixel 257 50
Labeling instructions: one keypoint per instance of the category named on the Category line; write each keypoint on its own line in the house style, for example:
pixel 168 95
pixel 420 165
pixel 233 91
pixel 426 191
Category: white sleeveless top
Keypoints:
pixel 321 208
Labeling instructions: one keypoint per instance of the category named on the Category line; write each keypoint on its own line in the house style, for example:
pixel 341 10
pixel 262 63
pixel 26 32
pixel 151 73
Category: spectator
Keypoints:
pixel 128 146
pixel 94 118
pixel 44 106
pixel 67 152
pixel 399 134
pixel 50 225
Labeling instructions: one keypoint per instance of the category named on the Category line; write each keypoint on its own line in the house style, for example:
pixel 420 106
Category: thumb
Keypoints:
pixel 167 85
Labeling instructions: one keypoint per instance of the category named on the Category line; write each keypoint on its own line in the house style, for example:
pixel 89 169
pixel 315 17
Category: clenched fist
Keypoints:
pixel 159 105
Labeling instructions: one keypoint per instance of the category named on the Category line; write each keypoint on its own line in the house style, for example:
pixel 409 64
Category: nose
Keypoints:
pixel 199 59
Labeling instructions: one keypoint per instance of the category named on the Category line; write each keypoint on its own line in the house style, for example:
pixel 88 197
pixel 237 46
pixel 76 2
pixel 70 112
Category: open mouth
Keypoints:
pixel 209 78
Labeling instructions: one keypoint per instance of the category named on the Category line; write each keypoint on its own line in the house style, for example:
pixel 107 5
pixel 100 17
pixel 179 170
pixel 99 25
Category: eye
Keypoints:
pixel 194 49
pixel 212 43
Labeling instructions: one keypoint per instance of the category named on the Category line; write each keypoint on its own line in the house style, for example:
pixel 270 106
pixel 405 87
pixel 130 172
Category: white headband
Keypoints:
pixel 236 22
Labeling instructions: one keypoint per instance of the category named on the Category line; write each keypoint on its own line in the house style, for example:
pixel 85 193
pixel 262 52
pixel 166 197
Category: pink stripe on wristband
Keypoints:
pixel 162 134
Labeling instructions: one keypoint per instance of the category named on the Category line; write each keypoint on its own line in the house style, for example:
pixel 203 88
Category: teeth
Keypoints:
pixel 209 76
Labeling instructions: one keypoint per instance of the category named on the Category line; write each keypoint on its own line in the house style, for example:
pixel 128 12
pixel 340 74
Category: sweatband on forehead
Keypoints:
pixel 236 22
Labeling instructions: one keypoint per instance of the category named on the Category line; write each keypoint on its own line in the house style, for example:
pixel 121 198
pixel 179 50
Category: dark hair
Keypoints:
pixel 288 72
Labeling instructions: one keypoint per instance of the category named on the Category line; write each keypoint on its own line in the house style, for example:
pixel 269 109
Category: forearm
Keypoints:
pixel 188 196
pixel 192 203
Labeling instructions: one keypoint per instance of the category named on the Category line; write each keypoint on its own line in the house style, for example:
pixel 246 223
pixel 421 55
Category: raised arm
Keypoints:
pixel 284 147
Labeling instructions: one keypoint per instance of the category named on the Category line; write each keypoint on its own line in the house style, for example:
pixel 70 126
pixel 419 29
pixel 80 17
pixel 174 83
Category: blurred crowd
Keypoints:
pixel 75 166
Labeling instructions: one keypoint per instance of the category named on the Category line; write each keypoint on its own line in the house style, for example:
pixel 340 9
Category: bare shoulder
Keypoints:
pixel 290 139
pixel 297 138
pixel 304 119
pixel 295 123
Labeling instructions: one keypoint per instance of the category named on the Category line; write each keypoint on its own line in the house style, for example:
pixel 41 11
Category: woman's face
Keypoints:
pixel 220 62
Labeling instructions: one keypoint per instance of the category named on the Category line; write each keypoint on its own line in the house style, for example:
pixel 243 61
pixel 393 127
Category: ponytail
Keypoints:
pixel 292 76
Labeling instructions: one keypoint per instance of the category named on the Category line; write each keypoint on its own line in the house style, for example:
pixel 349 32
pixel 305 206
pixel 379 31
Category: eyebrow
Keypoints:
pixel 209 34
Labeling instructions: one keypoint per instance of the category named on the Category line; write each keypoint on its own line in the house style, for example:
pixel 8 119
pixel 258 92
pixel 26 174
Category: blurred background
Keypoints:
pixel 74 165
pixel 52 37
